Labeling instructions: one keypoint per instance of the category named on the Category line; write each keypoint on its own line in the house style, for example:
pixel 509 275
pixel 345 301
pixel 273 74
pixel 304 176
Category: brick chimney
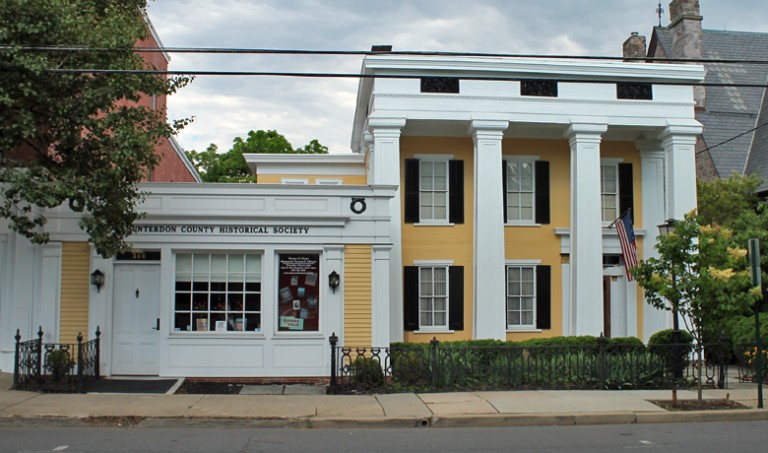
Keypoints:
pixel 687 42
pixel 634 46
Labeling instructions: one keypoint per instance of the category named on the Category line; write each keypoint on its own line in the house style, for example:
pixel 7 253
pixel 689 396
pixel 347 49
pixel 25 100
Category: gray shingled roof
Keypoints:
pixel 731 111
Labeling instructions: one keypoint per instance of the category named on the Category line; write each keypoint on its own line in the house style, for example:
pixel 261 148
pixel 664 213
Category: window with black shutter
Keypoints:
pixel 433 191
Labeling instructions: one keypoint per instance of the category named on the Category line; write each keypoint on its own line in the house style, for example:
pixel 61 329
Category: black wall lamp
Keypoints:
pixel 333 281
pixel 97 279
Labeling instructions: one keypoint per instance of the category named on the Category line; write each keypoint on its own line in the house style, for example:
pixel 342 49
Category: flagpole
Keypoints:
pixel 619 217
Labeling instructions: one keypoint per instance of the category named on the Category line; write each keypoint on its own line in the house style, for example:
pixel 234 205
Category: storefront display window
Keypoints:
pixel 218 292
pixel 298 298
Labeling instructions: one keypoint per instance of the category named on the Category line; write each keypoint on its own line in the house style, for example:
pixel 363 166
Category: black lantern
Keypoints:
pixel 97 279
pixel 667 227
pixel 333 280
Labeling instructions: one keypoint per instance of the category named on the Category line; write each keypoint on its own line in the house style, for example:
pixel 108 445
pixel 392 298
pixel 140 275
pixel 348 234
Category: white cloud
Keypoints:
pixel 305 109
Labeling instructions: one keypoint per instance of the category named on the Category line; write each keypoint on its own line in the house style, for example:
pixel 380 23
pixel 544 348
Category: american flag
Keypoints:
pixel 627 241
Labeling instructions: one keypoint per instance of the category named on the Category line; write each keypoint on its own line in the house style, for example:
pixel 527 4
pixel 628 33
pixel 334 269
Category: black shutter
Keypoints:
pixel 411 194
pixel 411 298
pixel 626 196
pixel 542 191
pixel 456 191
pixel 456 297
pixel 543 297
pixel 504 186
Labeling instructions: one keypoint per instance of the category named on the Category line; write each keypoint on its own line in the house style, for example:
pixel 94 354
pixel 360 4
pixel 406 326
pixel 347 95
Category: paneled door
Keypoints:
pixel 136 319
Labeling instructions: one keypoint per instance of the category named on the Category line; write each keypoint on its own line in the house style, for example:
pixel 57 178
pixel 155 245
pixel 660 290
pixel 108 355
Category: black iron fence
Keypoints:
pixel 56 367
pixel 437 367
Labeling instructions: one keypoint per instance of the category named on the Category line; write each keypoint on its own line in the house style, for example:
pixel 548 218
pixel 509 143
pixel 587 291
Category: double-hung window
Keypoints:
pixel 433 296
pixel 616 189
pixel 434 190
pixel 525 181
pixel 521 296
pixel 520 193
pixel 528 295
pixel 609 191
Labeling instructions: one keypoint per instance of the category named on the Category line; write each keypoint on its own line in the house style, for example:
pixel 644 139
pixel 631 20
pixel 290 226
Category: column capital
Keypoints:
pixel 578 128
pixel 681 134
pixel 487 129
pixel 375 125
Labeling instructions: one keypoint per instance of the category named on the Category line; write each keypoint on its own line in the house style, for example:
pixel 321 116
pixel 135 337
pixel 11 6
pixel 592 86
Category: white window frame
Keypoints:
pixel 521 160
pixel 441 264
pixel 212 312
pixel 328 182
pixel 520 264
pixel 613 163
pixel 435 159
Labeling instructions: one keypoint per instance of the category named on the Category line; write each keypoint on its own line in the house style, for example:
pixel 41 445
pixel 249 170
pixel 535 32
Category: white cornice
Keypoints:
pixel 527 68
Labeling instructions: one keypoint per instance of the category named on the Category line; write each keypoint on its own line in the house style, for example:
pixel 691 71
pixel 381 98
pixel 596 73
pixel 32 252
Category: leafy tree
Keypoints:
pixel 231 166
pixel 76 137
pixel 723 200
pixel 702 273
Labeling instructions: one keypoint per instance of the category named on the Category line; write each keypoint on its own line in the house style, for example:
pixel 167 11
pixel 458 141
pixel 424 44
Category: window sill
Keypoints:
pixel 432 331
pixel 522 224
pixel 523 330
pixel 432 224
pixel 218 335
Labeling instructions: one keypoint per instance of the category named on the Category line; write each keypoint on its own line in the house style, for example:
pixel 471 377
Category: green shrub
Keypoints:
pixel 367 372
pixel 58 363
pixel 661 345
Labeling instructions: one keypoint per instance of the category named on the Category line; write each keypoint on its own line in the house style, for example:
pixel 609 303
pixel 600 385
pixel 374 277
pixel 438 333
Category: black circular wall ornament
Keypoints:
pixel 358 205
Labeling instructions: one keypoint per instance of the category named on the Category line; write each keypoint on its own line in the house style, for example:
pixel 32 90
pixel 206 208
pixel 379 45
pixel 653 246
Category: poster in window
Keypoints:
pixel 298 293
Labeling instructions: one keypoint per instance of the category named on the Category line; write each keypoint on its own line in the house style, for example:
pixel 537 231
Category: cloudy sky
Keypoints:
pixel 225 107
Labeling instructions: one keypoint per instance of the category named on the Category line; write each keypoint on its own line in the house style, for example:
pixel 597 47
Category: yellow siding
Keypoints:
pixel 357 295
pixel 312 179
pixel 521 242
pixel 442 242
pixel 75 280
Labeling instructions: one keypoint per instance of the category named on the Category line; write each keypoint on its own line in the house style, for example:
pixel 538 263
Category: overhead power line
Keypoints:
pixel 332 75
pixel 256 51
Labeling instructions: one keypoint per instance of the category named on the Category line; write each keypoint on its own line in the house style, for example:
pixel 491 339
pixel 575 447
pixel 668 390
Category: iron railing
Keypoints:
pixel 56 367
pixel 436 367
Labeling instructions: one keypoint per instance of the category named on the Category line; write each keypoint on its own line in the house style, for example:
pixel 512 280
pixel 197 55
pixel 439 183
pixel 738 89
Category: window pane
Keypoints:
pixel 236 263
pixel 527 303
pixel 183 263
pixel 440 319
pixel 440 304
pixel 201 263
pixel 253 263
pixel 526 176
pixel 527 318
pixel 219 263
pixel 514 318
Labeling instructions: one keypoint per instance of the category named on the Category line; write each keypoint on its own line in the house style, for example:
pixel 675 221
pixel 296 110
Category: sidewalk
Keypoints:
pixel 505 408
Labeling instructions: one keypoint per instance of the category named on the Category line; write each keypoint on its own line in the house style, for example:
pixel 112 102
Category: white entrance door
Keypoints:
pixel 135 323
pixel 615 288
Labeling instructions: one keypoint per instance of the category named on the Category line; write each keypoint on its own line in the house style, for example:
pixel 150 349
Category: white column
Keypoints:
pixel 386 170
pixel 380 295
pixel 332 307
pixel 48 292
pixel 679 143
pixel 489 283
pixel 586 235
pixel 654 214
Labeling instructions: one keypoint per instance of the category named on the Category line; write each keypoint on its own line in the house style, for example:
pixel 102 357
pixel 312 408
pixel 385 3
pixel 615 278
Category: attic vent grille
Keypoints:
pixel 439 85
pixel 538 88
pixel 626 90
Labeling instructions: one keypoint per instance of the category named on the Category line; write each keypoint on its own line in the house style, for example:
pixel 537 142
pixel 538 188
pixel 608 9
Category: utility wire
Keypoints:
pixel 330 75
pixel 255 51
pixel 734 138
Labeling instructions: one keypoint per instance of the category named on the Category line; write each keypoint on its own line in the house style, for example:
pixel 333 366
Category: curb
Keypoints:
pixel 476 421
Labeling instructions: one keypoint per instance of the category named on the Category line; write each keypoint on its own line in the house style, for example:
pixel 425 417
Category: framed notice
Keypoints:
pixel 298 306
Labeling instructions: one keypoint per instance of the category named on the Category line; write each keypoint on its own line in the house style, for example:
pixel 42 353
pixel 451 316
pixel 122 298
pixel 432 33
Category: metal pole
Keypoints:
pixel 759 358
pixel 16 360
pixel 753 246
pixel 333 340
